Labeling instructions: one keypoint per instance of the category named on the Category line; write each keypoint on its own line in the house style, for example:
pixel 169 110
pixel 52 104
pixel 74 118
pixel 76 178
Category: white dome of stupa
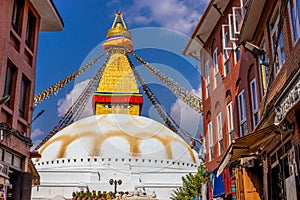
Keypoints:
pixel 140 151
pixel 117 136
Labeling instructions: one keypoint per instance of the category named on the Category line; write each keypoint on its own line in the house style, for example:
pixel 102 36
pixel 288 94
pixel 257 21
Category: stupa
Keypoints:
pixel 116 142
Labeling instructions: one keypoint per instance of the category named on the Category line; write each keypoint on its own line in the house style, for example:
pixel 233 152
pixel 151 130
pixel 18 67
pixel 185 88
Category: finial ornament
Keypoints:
pixel 118 35
pixel 119 19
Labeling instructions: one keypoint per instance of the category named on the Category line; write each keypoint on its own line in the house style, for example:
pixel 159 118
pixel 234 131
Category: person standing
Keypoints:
pixel 2 192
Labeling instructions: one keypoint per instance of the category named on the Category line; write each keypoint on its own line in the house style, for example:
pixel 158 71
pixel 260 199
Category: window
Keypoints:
pixel 278 49
pixel 8 157
pixel 254 102
pixel 264 68
pixel 17 161
pixel 216 69
pixel 226 48
pixel 242 114
pixel 220 133
pixel 207 70
pixel 16 20
pixel 230 122
pixel 294 13
pixel 210 141
pixel 9 81
pixel 238 17
pixel 30 30
pixel 237 52
pixel 23 97
pixel 232 35
pixel 226 61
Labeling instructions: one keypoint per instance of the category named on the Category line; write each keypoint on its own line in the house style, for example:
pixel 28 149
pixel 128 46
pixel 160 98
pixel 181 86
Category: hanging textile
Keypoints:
pixel 78 106
pixel 190 98
pixel 218 186
pixel 226 181
pixel 54 89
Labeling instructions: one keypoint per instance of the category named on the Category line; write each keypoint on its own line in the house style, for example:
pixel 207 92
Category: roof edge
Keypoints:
pixel 50 17
pixel 193 35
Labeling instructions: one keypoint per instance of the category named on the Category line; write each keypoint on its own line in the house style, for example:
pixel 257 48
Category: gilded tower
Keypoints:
pixel 118 91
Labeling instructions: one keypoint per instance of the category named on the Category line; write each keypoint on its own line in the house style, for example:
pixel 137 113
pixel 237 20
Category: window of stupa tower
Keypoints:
pixel 118 91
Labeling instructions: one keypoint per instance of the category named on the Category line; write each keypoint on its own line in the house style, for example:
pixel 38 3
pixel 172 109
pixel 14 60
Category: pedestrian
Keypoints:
pixel 2 192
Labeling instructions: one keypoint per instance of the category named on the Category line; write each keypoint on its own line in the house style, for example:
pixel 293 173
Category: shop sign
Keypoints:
pixel 291 98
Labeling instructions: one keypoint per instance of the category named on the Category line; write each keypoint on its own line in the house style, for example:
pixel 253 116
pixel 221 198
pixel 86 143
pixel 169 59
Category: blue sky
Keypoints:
pixel 160 30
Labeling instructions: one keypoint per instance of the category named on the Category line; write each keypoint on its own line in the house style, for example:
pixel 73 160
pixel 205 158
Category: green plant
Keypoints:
pixel 191 186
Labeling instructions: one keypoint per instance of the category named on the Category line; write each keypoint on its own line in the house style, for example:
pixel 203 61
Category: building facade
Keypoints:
pixel 277 34
pixel 20 24
pixel 230 88
pixel 249 55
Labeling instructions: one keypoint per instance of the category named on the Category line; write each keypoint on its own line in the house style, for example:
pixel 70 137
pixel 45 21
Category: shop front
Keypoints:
pixel 17 183
pixel 283 154
pixel 241 166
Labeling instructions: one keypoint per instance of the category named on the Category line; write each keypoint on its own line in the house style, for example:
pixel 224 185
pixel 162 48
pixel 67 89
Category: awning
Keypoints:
pixel 246 146
pixel 218 187
pixel 34 172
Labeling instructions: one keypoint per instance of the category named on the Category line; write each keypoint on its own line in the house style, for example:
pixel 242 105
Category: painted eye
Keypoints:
pixel 109 106
pixel 126 106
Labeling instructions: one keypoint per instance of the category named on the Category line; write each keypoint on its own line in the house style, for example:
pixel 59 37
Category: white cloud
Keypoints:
pixel 65 103
pixel 36 132
pixel 179 15
pixel 188 119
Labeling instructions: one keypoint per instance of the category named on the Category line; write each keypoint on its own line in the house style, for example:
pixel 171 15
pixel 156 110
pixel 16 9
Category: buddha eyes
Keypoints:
pixel 108 106
pixel 126 106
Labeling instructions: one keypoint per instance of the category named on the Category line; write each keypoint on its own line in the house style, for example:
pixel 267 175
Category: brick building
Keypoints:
pixel 274 26
pixel 230 88
pixel 249 53
pixel 20 24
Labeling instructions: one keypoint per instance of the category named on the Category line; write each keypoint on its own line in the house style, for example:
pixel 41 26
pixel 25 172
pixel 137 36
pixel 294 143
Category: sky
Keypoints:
pixel 160 30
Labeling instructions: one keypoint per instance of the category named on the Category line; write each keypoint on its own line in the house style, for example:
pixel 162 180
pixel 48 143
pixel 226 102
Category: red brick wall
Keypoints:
pixel 19 57
pixel 292 51
pixel 226 84
pixel 24 59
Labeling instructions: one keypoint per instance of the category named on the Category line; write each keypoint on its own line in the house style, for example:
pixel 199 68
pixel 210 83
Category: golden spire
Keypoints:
pixel 118 91
pixel 118 34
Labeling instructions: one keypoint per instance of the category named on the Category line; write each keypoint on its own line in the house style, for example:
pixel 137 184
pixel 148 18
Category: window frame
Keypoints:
pixel 254 101
pixel 31 30
pixel 237 52
pixel 219 125
pixel 207 76
pixel 232 35
pixel 210 139
pixel 216 66
pixel 230 127
pixel 9 85
pixel 263 70
pixel 17 15
pixel 242 111
pixel 280 53
pixel 237 22
pixel 226 48
pixel 220 133
pixel 24 100
pixel 296 11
